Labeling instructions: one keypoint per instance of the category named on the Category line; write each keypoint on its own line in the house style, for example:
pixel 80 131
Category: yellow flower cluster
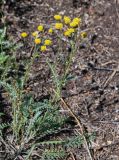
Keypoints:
pixel 47 42
pixel 57 17
pixel 75 22
pixel 37 41
pixel 58 26
pixel 83 34
pixel 67 19
pixel 43 48
pixel 40 28
pixel 78 20
pixel 63 23
pixel 35 34
pixel 50 30
pixel 69 32
pixel 24 34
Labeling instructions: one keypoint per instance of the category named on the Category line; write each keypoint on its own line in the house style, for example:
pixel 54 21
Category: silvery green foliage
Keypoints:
pixel 6 45
pixel 3 125
pixel 53 154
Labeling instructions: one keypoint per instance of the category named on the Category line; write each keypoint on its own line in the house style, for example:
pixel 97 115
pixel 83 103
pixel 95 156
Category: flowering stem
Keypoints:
pixel 68 63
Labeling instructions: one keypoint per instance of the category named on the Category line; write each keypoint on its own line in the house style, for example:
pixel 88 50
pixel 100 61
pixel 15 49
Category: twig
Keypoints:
pixel 116 4
pixel 107 145
pixel 93 67
pixel 6 145
pixel 31 51
pixel 72 155
pixel 20 158
pixel 102 69
pixel 109 62
pixel 79 124
pixel 106 122
pixel 111 76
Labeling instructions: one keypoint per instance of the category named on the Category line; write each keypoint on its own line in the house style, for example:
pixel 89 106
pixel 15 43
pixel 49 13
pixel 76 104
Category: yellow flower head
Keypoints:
pixel 50 30
pixel 40 28
pixel 67 20
pixel 24 34
pixel 58 25
pixel 47 42
pixel 83 35
pixel 35 34
pixel 43 48
pixel 73 24
pixel 78 20
pixel 57 17
pixel 37 41
pixel 69 31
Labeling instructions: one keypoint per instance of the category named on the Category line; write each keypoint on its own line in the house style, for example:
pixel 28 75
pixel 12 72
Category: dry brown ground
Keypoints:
pixel 94 95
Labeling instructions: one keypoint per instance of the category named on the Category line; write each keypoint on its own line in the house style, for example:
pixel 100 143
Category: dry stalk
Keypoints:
pixel 81 127
pixel 111 76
